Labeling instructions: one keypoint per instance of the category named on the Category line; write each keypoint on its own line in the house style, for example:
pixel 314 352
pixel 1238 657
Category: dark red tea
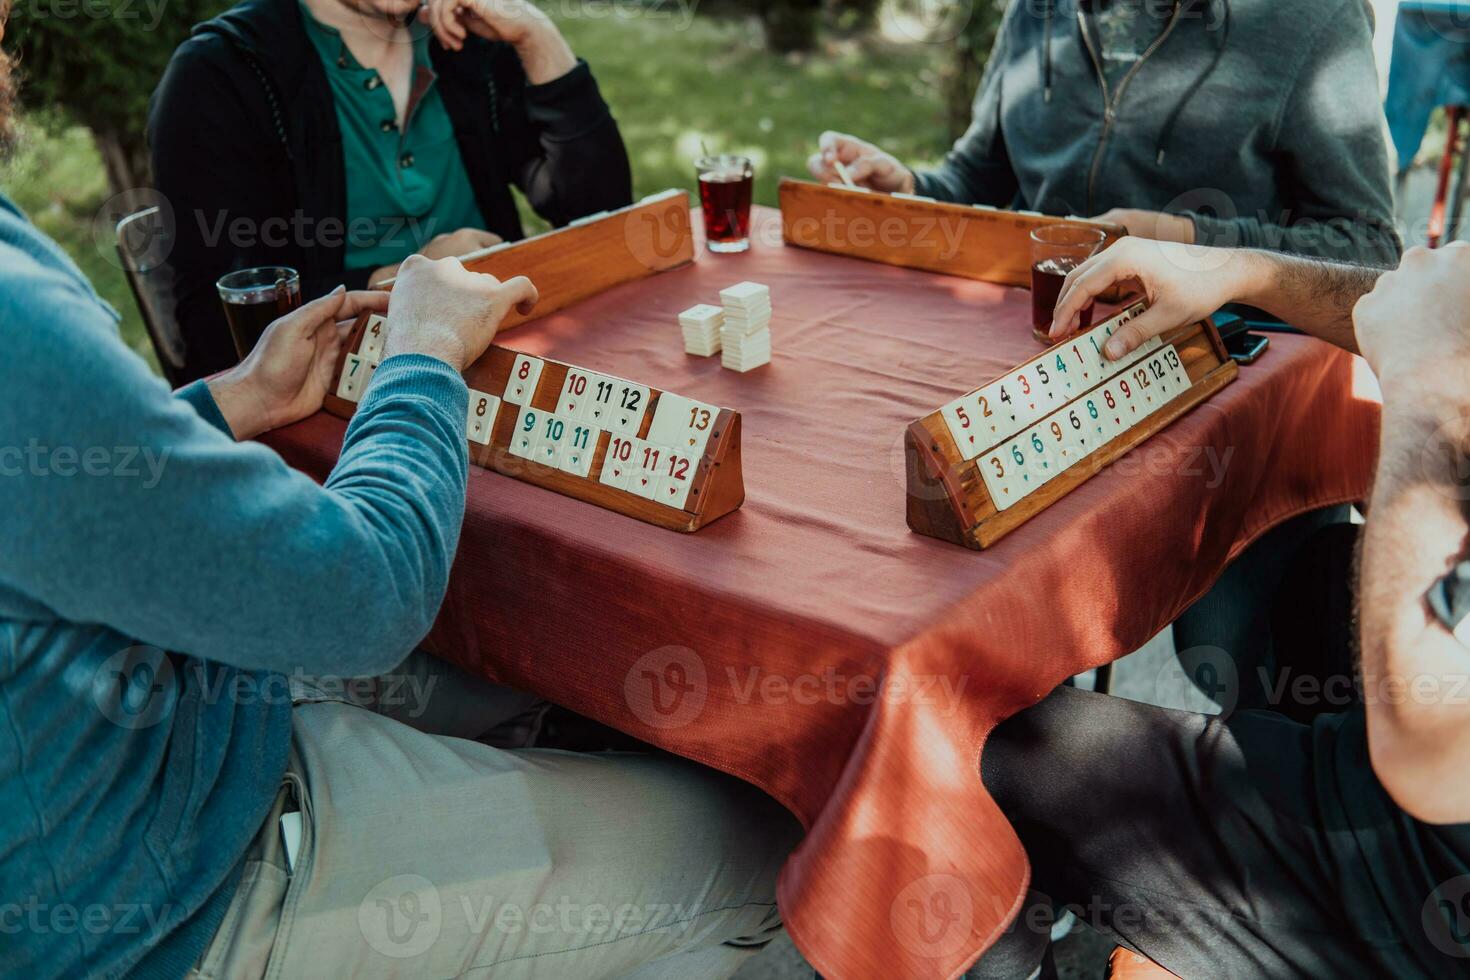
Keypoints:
pixel 248 321
pixel 254 298
pixel 725 199
pixel 1047 277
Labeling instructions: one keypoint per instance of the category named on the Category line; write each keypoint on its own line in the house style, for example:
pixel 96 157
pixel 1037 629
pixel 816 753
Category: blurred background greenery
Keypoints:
pixel 761 77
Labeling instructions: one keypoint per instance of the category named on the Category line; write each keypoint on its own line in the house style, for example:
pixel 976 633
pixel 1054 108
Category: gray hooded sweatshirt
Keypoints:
pixel 1259 119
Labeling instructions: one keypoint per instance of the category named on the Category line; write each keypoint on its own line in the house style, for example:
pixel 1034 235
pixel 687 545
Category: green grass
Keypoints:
pixel 671 85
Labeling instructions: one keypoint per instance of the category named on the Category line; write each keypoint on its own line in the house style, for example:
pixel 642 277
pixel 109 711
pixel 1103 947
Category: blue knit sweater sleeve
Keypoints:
pixel 125 506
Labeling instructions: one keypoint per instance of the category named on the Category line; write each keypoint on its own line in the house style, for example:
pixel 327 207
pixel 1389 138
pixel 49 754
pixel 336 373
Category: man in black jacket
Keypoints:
pixel 338 137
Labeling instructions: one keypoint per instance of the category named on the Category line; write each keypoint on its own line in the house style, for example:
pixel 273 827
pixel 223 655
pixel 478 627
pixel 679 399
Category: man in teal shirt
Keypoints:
pixel 179 796
pixel 336 137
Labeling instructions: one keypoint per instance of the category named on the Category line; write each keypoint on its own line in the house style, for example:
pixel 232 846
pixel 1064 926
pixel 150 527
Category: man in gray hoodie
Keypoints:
pixel 1252 123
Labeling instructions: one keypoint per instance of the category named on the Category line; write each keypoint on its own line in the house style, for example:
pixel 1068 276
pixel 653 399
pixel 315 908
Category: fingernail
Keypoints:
pixel 341 288
pixel 1113 348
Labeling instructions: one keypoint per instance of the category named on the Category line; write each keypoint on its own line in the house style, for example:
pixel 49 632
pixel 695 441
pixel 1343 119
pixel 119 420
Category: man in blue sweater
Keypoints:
pixel 178 797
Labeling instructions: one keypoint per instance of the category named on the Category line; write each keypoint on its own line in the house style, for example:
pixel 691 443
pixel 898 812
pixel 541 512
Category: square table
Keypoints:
pixel 809 642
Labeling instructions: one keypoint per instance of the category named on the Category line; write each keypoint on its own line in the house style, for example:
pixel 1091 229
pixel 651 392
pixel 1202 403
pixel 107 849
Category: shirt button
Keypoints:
pixel 372 83
pixel 388 125
pixel 406 161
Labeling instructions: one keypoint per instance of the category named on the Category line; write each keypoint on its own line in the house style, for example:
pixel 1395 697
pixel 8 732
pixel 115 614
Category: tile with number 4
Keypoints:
pixel 373 336
pixel 525 375
pixel 480 425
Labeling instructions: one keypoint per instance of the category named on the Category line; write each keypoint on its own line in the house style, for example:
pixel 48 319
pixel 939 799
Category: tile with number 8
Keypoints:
pixel 525 375
pixel 480 425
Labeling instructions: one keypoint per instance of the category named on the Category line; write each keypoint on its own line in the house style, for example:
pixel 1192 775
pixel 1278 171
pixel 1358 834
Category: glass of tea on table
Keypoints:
pixel 1055 251
pixel 254 298
pixel 725 184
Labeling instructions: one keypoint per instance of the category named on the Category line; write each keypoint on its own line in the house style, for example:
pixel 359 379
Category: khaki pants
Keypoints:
pixel 429 855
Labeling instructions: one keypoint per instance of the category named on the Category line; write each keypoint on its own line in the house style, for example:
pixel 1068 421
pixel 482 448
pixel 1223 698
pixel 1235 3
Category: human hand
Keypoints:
pixel 544 53
pixel 1157 225
pixel 442 310
pixel 286 376
pixel 1414 326
pixel 867 165
pixel 1183 283
pixel 451 244
pixel 459 243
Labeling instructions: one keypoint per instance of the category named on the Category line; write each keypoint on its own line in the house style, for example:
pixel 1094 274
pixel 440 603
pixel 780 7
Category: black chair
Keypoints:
pixel 144 240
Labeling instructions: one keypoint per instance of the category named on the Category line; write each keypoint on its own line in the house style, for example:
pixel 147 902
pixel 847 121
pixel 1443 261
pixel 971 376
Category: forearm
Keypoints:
pixel 571 160
pixel 1365 240
pixel 1413 668
pixel 545 55
pixel 1313 295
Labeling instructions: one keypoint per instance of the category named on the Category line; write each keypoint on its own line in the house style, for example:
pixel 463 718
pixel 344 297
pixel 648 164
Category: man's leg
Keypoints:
pixel 427 856
pixel 1192 840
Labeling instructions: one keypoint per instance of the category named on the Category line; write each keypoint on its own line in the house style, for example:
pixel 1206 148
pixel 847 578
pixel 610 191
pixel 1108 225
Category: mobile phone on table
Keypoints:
pixel 1245 347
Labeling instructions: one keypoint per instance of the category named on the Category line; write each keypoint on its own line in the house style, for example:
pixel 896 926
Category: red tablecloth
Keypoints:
pixel 813 645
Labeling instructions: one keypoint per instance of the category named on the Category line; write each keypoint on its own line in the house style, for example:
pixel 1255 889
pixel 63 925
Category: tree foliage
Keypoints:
pixel 97 62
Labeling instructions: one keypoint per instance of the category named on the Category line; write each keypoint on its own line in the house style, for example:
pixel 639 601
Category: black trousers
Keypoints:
pixel 1192 839
pixel 1189 839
